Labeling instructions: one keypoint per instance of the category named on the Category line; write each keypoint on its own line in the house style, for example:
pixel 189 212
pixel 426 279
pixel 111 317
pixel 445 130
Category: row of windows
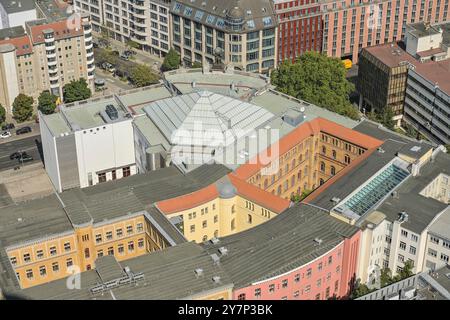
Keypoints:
pixel 119 233
pixel 40 254
pixel 203 211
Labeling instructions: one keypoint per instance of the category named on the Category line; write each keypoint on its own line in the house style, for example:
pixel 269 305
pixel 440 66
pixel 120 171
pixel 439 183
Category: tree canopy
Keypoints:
pixel 23 107
pixel 47 102
pixel 2 114
pixel 76 90
pixel 171 60
pixel 318 79
pixel 142 75
pixel 384 117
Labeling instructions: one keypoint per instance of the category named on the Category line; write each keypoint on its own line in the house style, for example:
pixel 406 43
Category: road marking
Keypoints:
pixel 27 149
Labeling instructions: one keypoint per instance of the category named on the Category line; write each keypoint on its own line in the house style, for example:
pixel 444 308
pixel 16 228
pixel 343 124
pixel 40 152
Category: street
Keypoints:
pixel 30 145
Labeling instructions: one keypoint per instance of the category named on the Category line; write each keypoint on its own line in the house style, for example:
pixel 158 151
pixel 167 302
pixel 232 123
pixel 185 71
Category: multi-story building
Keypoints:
pixel 238 33
pixel 349 26
pixel 299 27
pixel 395 196
pixel 44 56
pixel 88 144
pixel 15 13
pixel 145 22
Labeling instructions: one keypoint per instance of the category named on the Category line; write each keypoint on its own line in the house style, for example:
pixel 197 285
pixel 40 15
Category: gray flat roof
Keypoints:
pixel 376 130
pixel 270 249
pixel 421 210
pixel 13 32
pixel 15 6
pixel 440 227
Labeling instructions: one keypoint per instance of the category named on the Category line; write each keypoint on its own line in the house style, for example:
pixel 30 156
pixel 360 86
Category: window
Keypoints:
pixel 308 273
pixel 271 288
pixel 126 171
pixel 405 233
pixel 432 252
pixel 402 245
pixel 332 170
pixel 336 285
pixel 297 278
pixel 241 296
pixel 129 229
pixel 204 224
pixel 67 246
pixel 434 240
pixel 98 238
pixel 100 253
pixel 258 293
pixel 29 273
pixel 338 269
pixel 296 294
pixel 444 257
pixel 308 289
pixel 412 250
pixel 233 224
pixel 85 237
pixel 446 244
pixel 119 232
pixel 319 283
pixel 109 235
pixel 192 228
pixel 130 246
pixel 284 283
pixel 141 243
pixel 55 266
pixel 102 177
pixel 320 266
pixel 120 248
pixel 13 261
pixel 42 271
pixel 69 262
pixel 39 254
pixel 86 253
pixel 140 227
pixel 322 166
pixel 249 218
pixel 401 258
pixel 347 159
pixel 110 251
pixel 414 237
pixel 52 251
pixel 216 218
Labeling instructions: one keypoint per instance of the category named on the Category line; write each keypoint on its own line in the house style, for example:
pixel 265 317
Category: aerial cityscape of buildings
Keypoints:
pixel 209 181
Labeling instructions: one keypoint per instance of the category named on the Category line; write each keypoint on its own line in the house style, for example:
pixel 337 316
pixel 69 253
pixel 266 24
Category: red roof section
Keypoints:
pixel 188 201
pixel 60 28
pixel 259 196
pixel 309 128
pixel 22 44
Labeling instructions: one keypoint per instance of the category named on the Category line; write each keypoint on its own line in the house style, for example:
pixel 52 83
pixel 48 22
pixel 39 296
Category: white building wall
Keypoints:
pixel 50 154
pixel 12 83
pixel 104 148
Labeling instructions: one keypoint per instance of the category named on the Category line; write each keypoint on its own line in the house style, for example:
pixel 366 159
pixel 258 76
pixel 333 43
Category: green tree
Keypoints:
pixel 407 270
pixel 359 290
pixel 447 146
pixel 133 44
pixel 318 79
pixel 76 90
pixel 2 114
pixel 142 75
pixel 384 117
pixel 47 102
pixel 22 107
pixel 385 277
pixel 196 64
pixel 171 60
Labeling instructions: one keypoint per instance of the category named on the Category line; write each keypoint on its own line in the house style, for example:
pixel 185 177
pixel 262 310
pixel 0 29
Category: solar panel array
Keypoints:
pixel 363 200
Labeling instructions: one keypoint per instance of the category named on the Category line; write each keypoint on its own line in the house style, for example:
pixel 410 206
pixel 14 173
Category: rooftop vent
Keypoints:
pixel 403 217
pixel 111 111
pixel 216 279
pixel 380 150
pixel 215 258
pixel 335 200
pixel 223 250
pixel 198 272
pixel 447 275
pixel 318 241
pixel 394 194
pixel 194 84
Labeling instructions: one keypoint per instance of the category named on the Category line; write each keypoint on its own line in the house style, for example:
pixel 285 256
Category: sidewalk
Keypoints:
pixel 32 124
pixel 141 56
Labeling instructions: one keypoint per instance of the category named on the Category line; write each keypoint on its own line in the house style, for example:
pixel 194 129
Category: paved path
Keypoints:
pixel 31 145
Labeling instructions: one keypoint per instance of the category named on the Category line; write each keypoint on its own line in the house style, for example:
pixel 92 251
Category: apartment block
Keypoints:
pixel 44 56
pixel 299 27
pixel 350 25
pixel 238 33
pixel 145 22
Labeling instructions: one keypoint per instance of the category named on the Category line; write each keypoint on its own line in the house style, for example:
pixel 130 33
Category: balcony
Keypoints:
pixel 52 62
pixel 88 38
pixel 91 67
pixel 89 46
pixel 53 76
pixel 50 48
pixel 54 84
pixel 49 40
pixel 51 55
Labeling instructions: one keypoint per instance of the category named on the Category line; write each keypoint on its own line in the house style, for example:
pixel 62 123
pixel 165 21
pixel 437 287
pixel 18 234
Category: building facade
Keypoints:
pixel 299 28
pixel 238 33
pixel 46 57
pixel 350 25
pixel 16 13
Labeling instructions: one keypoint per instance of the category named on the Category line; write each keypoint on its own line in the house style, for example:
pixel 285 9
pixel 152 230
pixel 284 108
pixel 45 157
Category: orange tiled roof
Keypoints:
pixel 22 44
pixel 60 28
pixel 259 196
pixel 188 201
pixel 309 128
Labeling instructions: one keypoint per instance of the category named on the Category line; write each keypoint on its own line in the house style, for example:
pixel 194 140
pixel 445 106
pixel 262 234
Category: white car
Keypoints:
pixel 5 135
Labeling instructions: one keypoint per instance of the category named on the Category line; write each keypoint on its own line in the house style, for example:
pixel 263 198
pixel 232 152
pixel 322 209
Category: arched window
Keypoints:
pixel 324 150
pixel 334 154
pixel 293 163
pixel 299 175
pixel 279 190
pixel 233 224
pixel 86 253
pixel 333 170
pixel 265 183
pixel 216 233
pixel 205 238
pixel 286 168
pixel 292 181
pixel 300 159
pixel 241 296
pixel 321 181
pixel 347 159
pixel 322 166
pixel 233 209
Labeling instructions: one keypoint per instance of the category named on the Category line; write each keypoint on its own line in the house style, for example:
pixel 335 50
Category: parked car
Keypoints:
pixel 129 52
pixel 108 67
pixel 125 57
pixel 8 126
pixel 15 155
pixel 23 130
pixel 25 157
pixel 5 134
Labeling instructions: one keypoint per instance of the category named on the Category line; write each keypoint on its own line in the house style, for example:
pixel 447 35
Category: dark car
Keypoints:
pixel 23 130
pixel 15 155
pixel 25 157
pixel 8 126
